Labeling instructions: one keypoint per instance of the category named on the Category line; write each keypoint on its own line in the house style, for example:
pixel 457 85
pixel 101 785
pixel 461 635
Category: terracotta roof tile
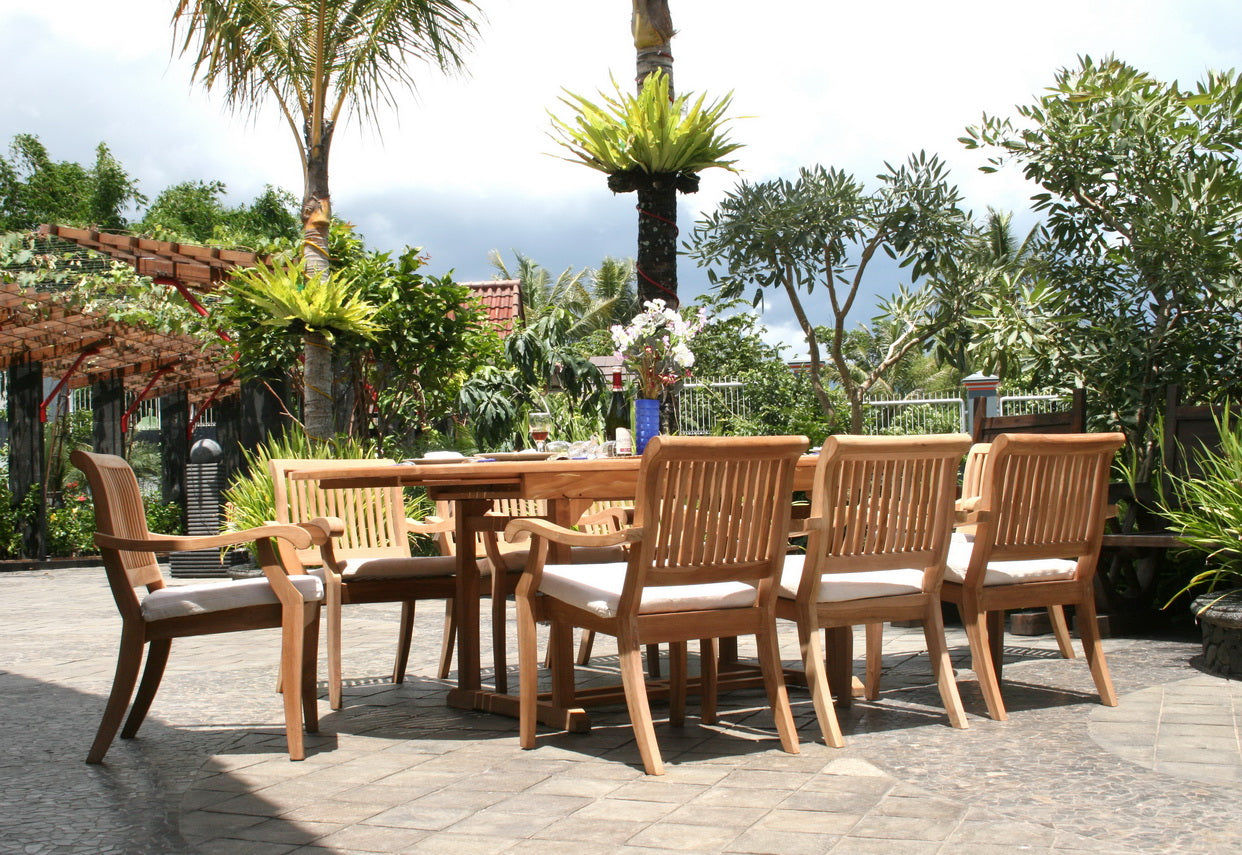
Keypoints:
pixel 503 300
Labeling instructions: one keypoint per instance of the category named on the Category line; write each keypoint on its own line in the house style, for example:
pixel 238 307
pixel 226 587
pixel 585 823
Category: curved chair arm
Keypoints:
pixel 300 537
pixel 429 525
pixel 615 518
pixel 968 511
pixel 522 529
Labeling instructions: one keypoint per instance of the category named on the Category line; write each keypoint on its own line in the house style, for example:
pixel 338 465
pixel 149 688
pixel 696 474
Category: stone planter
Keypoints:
pixel 1220 619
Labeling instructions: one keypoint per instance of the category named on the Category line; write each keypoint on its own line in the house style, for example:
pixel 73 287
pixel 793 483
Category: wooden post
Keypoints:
pixel 228 434
pixel 26 453
pixel 108 405
pixel 175 449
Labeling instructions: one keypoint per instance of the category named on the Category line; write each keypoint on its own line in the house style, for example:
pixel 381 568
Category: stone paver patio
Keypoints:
pixel 398 771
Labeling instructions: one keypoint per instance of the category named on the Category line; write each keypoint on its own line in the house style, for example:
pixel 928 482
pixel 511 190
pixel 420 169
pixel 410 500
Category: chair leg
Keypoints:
pixel 839 647
pixel 677 683
pixel 405 635
pixel 981 660
pixel 653 661
pixel 157 658
pixel 500 655
pixel 996 642
pixel 875 660
pixel 942 667
pixel 1060 628
pixel 817 682
pixel 636 700
pixel 332 601
pixel 709 680
pixel 1089 632
pixel 561 656
pixel 584 647
pixel 292 643
pixel 450 637
pixel 128 660
pixel 310 668
pixel 774 683
pixel 528 672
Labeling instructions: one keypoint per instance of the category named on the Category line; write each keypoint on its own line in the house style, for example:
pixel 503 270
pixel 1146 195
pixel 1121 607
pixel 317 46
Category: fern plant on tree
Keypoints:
pixel 654 145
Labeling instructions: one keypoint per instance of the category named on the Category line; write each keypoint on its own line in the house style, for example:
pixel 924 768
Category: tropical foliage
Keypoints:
pixel 1141 187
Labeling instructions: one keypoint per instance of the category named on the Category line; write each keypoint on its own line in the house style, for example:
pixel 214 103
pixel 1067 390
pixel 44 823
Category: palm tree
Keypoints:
pixel 316 59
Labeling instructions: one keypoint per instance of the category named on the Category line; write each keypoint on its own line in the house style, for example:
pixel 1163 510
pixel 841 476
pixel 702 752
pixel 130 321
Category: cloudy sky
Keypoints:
pixel 464 167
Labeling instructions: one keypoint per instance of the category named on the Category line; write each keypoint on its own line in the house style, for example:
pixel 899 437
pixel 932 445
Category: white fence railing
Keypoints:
pixel 701 405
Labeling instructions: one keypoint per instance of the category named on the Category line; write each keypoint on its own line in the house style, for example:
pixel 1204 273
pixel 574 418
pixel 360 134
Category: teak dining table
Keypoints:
pixel 568 487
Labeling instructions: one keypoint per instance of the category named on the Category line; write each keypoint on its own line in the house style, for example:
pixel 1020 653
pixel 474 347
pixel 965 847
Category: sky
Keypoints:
pixel 465 166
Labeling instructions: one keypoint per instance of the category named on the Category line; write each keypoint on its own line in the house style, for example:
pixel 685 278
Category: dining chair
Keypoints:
pixel 882 510
pixel 150 621
pixel 711 521
pixel 1037 525
pixel 367 558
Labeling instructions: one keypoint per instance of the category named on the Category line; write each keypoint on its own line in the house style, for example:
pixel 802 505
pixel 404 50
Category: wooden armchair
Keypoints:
pixel 706 550
pixel 289 600
pixel 367 559
pixel 881 517
pixel 1037 531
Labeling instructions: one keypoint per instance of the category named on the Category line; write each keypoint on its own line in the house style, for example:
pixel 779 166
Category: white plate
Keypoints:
pixel 438 461
pixel 519 455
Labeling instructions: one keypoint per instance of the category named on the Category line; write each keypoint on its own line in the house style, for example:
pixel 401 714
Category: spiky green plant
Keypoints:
pixel 312 304
pixel 1206 509
pixel 648 132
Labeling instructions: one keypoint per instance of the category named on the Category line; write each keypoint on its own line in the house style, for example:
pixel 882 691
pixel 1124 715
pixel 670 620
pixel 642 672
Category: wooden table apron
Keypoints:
pixel 568 486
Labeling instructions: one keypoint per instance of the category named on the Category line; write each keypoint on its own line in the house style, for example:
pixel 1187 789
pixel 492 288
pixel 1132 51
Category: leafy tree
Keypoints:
pixel 195 212
pixel 1142 193
pixel 34 189
pixel 825 229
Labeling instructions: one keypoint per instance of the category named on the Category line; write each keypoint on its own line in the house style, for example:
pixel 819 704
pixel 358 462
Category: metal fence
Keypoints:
pixel 946 412
pixel 700 406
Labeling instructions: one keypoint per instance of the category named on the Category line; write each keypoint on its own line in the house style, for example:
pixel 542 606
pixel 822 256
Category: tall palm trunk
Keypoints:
pixel 318 415
pixel 317 202
pixel 656 259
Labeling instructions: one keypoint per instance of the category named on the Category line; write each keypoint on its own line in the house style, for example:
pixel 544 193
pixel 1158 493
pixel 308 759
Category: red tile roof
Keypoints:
pixel 503 300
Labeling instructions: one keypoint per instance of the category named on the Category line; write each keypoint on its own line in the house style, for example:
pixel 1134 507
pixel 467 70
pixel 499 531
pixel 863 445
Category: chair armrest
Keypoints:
pixel 522 529
pixel 299 536
pixel 615 518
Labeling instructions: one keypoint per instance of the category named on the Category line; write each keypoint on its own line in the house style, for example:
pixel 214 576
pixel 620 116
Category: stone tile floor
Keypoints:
pixel 398 771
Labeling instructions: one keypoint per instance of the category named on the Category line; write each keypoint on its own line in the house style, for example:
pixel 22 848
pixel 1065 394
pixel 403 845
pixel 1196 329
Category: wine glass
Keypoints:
pixel 540 425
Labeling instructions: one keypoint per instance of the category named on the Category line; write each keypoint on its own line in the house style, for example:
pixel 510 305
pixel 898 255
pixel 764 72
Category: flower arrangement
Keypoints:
pixel 655 346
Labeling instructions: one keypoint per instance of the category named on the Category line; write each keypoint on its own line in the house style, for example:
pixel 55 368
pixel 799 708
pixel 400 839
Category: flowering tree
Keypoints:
pixel 655 346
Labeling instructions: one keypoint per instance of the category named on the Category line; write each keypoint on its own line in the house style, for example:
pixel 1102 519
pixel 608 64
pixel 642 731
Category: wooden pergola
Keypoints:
pixel 48 343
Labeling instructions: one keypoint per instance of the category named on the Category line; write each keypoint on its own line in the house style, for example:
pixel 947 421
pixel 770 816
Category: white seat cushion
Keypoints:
pixel 597 588
pixel 1006 572
pixel 398 568
pixel 839 587
pixel 182 600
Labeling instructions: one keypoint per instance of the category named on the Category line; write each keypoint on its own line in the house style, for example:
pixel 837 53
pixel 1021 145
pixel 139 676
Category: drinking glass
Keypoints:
pixel 540 425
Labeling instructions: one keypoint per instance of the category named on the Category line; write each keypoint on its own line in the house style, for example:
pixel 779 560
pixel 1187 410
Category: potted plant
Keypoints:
pixel 1206 510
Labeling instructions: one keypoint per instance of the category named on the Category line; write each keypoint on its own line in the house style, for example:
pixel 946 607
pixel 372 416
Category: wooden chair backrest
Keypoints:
pixel 119 511
pixel 374 517
pixel 1072 420
pixel 883 503
pixel 712 509
pixel 1189 431
pixel 1044 496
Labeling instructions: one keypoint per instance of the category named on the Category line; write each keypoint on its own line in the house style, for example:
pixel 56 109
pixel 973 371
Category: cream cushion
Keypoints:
pixel 515 559
pixel 839 587
pixel 1006 572
pixel 597 588
pixel 398 568
pixel 182 600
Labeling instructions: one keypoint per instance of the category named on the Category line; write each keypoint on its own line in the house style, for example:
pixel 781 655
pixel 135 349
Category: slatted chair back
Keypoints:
pixel 712 510
pixel 119 511
pixel 374 517
pixel 883 503
pixel 1044 496
pixel 1071 420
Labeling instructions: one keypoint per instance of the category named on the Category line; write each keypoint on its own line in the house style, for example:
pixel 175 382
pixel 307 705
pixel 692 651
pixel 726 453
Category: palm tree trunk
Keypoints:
pixel 657 241
pixel 652 25
pixel 316 204
pixel 317 416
